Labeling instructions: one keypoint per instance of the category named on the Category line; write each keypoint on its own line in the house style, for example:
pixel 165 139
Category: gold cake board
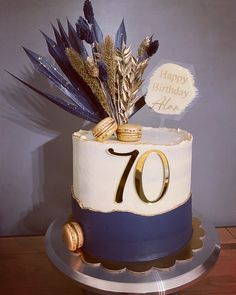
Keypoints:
pixel 162 276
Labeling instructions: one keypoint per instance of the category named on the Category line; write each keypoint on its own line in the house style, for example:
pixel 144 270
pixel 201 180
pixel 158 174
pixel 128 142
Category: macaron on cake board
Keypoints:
pixel 72 236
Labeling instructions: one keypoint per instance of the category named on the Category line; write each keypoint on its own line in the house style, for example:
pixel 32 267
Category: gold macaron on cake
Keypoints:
pixel 104 129
pixel 129 132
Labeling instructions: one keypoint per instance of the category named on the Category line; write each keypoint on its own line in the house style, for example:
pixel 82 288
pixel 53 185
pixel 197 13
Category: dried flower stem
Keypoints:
pixel 108 57
pixel 79 66
pixel 128 81
pixel 92 68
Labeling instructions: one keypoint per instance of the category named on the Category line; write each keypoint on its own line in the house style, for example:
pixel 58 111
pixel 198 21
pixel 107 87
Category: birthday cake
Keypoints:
pixel 131 192
pixel 133 199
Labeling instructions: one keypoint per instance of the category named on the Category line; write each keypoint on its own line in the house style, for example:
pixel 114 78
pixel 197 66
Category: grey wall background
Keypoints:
pixel 35 136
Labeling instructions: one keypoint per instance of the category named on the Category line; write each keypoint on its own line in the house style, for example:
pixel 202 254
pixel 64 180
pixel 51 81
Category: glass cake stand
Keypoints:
pixel 95 278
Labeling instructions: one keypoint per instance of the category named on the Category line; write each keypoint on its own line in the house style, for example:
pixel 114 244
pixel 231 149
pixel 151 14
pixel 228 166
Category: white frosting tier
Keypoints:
pixel 97 172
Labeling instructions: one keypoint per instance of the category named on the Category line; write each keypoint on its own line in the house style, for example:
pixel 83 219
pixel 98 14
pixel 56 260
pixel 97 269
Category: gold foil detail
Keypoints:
pixel 186 253
pixel 139 173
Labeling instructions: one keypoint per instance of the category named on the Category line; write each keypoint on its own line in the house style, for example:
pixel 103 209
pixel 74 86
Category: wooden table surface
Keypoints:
pixel 26 269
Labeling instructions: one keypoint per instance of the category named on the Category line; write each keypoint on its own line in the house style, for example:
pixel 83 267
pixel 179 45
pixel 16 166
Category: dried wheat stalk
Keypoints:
pixel 128 81
pixel 108 57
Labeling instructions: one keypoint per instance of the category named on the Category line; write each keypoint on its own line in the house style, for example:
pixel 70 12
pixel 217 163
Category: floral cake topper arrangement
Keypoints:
pixel 105 83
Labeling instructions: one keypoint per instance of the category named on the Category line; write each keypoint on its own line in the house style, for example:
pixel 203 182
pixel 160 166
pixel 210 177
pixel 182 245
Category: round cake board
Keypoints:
pixel 95 278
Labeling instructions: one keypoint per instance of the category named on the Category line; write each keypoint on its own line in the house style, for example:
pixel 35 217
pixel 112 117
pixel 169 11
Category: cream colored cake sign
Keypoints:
pixel 171 89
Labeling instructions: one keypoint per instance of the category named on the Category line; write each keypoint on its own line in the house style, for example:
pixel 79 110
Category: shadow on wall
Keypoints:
pixel 51 162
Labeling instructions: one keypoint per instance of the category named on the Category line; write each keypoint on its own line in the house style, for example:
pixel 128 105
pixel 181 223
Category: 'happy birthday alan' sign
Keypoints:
pixel 171 89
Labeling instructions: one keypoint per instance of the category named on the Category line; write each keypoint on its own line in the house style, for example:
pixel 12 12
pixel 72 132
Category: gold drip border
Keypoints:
pixel 186 253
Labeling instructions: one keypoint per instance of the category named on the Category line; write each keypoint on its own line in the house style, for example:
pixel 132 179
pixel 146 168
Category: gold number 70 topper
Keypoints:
pixel 138 174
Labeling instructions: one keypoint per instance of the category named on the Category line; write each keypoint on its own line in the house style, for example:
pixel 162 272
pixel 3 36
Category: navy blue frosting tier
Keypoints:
pixel 128 237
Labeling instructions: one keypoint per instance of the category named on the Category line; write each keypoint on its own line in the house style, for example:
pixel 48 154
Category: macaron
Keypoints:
pixel 73 236
pixel 104 129
pixel 129 132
